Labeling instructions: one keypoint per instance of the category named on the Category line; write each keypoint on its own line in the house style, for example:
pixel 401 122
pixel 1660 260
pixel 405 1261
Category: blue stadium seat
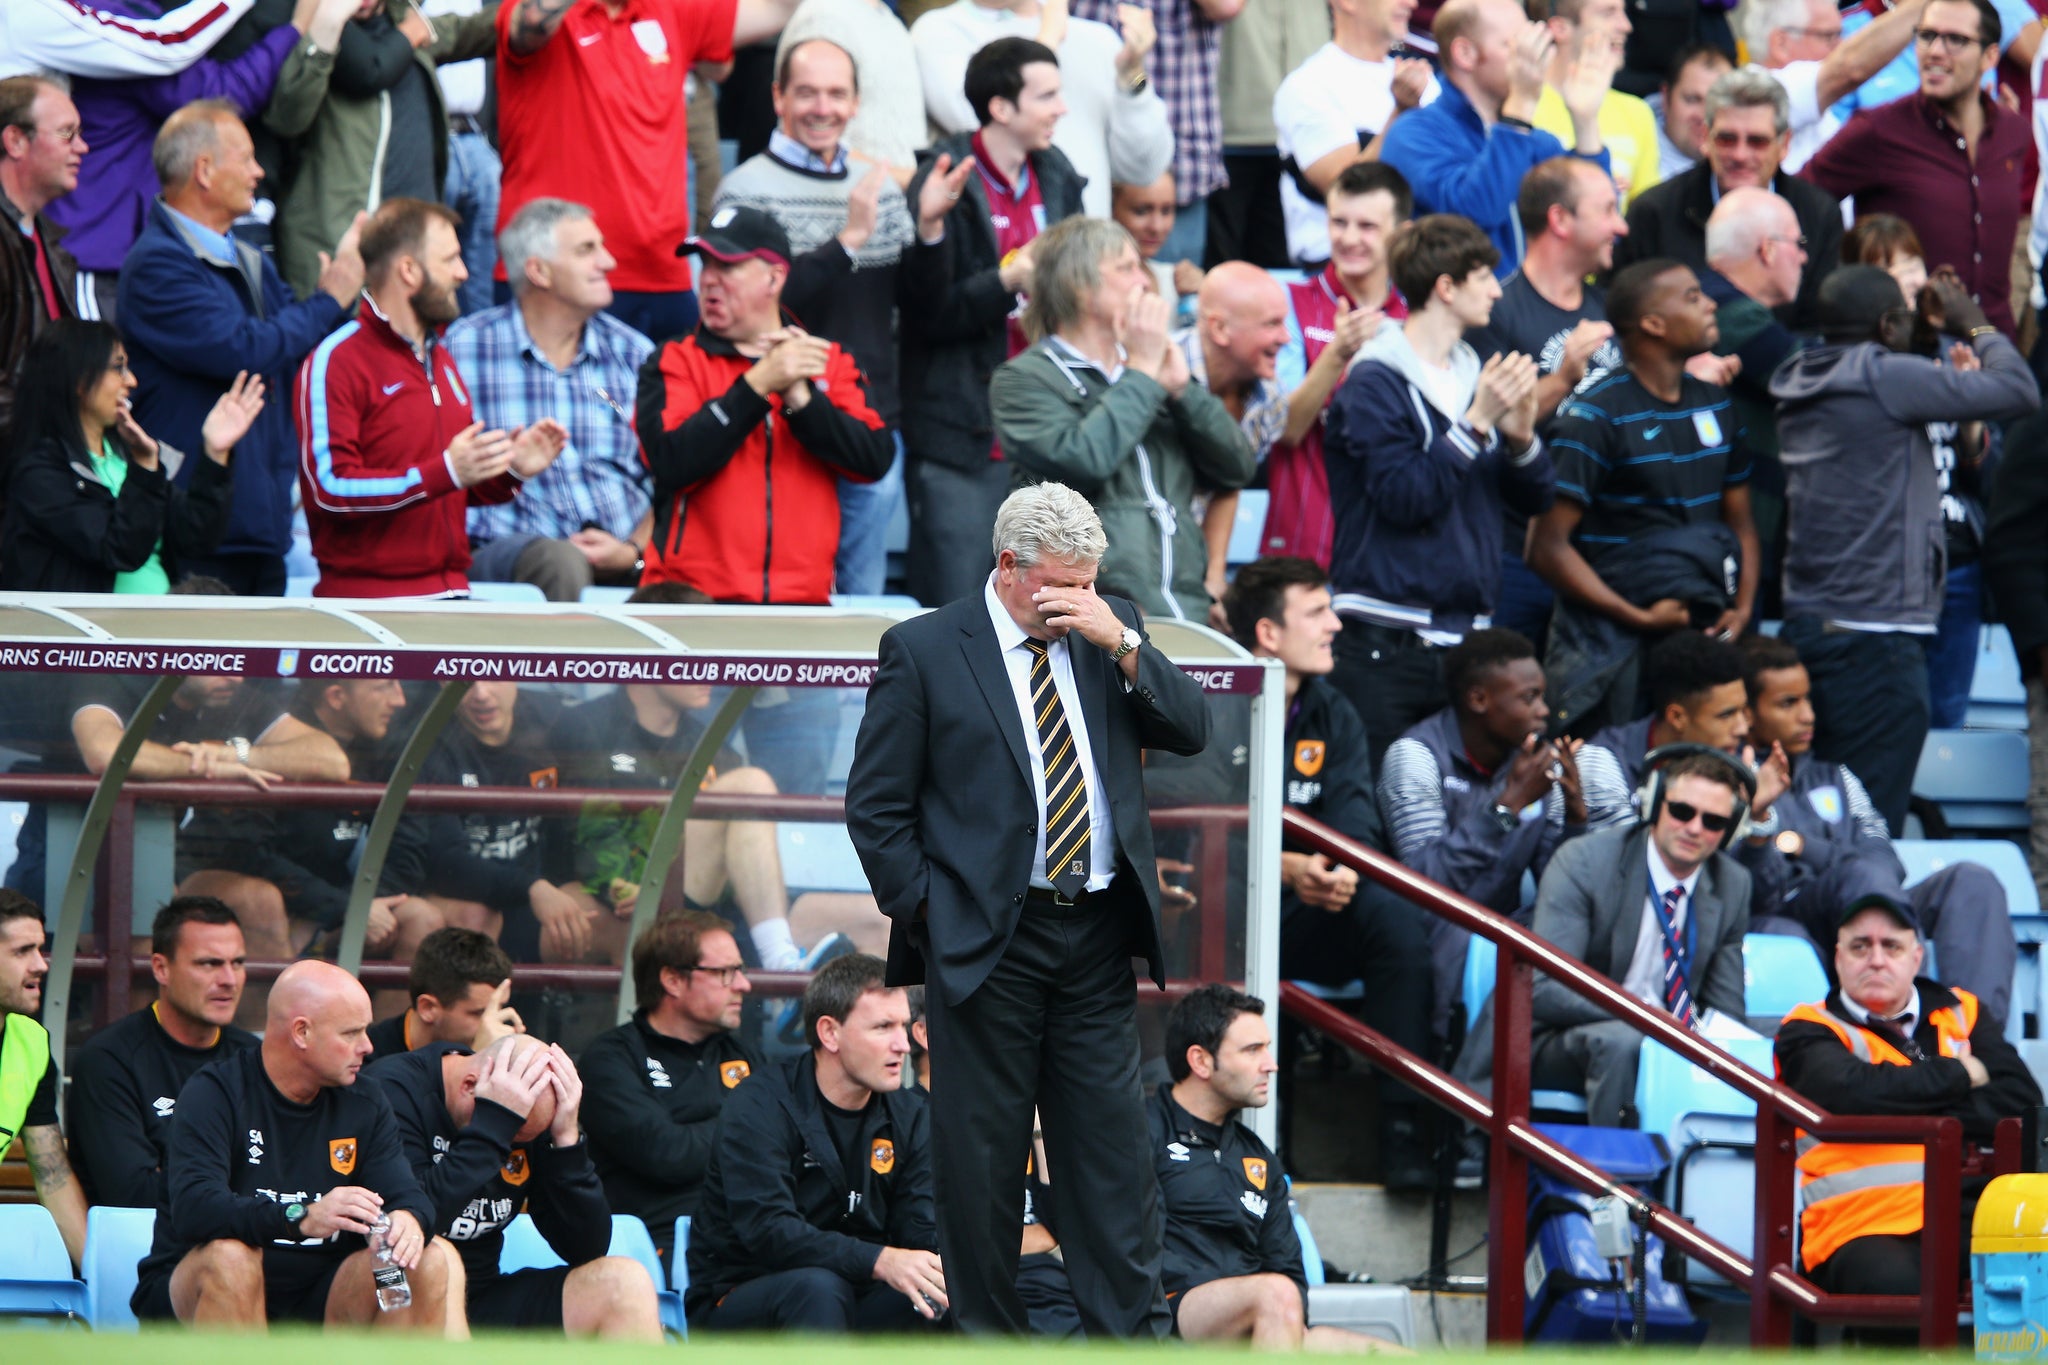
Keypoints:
pixel 35 1269
pixel 506 592
pixel 881 601
pixel 819 858
pixel 524 1248
pixel 604 595
pixel 1977 777
pixel 1249 527
pixel 1335 995
pixel 1481 968
pixel 630 1238
pixel 116 1240
pixel 1998 699
pixel 2001 857
pixel 1668 1087
pixel 1779 971
pixel 1311 1256
pixel 679 1275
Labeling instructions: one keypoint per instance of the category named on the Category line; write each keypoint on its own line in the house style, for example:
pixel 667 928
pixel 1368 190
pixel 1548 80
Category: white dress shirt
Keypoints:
pixel 1010 637
pixel 1904 1023
pixel 1645 979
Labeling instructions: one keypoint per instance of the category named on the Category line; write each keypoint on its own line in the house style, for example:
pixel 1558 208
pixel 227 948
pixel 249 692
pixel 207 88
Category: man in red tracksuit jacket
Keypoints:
pixel 747 425
pixel 389 456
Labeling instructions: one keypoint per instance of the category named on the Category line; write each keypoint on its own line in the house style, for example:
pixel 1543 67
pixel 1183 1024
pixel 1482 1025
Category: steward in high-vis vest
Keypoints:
pixel 1888 1041
pixel 28 1076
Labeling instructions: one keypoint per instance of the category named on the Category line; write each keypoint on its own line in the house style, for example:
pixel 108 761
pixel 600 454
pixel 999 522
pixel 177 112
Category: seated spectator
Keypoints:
pixel 1682 130
pixel 1336 108
pixel 1799 44
pixel 202 305
pixel 554 351
pixel 1232 1267
pixel 961 289
pixel 91 506
pixel 459 983
pixel 1333 928
pixel 1887 1040
pixel 1695 689
pixel 730 419
pixel 125 1081
pixel 835 1236
pixel 388 465
pixel 887 127
pixel 257 1188
pixel 1147 213
pixel 654 1086
pixel 1825 845
pixel 1747 132
pixel 1864 562
pixel 1651 530
pixel 28 1074
pixel 1588 37
pixel 1466 153
pixel 1426 448
pixel 489 1132
pixel 1105 402
pixel 1113 126
pixel 1333 314
pixel 1686 955
pixel 40 153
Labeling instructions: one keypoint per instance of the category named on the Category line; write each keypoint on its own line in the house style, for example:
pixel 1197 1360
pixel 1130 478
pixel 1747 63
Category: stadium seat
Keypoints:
pixel 506 592
pixel 1481 968
pixel 1998 698
pixel 604 595
pixel 2008 862
pixel 679 1273
pixel 630 1238
pixel 35 1269
pixel 116 1240
pixel 1779 971
pixel 1386 1311
pixel 819 858
pixel 1710 1130
pixel 1977 777
pixel 1335 995
pixel 524 1248
pixel 1311 1256
pixel 1668 1087
pixel 881 601
pixel 1247 531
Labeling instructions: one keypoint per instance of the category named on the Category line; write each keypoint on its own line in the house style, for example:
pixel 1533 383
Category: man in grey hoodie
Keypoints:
pixel 1866 563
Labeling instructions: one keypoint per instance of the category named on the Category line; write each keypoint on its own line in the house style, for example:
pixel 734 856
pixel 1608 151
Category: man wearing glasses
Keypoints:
pixel 1801 44
pixel 40 151
pixel 653 1087
pixel 1949 160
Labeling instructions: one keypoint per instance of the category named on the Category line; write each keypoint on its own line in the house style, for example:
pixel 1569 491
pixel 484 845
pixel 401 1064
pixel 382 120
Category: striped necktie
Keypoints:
pixel 1677 996
pixel 1066 793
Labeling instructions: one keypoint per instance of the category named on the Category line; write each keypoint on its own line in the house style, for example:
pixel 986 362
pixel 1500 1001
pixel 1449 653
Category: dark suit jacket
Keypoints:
pixel 1670 219
pixel 1591 906
pixel 940 801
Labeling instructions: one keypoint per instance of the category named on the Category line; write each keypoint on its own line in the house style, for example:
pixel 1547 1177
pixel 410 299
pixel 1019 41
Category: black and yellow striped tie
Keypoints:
pixel 1066 792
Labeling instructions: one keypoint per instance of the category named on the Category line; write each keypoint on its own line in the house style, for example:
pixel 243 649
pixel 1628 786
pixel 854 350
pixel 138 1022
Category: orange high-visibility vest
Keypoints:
pixel 1865 1189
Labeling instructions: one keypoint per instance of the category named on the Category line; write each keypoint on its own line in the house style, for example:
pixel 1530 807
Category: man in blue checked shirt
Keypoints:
pixel 554 352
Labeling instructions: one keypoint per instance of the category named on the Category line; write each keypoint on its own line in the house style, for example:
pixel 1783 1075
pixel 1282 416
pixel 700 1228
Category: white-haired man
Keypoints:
pixel 1800 43
pixel 555 352
pixel 997 804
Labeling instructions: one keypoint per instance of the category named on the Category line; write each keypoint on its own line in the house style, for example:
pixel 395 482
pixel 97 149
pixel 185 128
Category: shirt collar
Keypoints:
pixel 1008 633
pixel 1661 880
pixel 522 340
pixel 1913 1015
pixel 787 149
pixel 219 245
pixel 1113 374
pixel 985 166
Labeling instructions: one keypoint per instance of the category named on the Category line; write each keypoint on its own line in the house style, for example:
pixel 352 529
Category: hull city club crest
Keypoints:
pixel 341 1155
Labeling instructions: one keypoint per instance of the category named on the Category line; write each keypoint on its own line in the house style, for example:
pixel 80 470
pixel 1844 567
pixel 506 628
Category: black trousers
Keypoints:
pixel 1055 1024
pixel 1391 677
pixel 1870 706
pixel 1378 939
pixel 812 1300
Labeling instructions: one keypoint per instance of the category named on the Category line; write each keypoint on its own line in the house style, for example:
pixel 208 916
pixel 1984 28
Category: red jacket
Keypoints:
pixel 374 419
pixel 746 493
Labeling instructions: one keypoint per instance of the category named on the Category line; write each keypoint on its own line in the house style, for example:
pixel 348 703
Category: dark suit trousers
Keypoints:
pixel 1055 1023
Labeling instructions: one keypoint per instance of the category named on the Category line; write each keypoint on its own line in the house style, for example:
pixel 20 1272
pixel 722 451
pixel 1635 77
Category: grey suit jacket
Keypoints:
pixel 1591 906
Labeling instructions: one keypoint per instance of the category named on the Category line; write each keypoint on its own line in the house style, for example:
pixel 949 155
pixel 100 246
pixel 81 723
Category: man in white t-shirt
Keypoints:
pixel 1800 43
pixel 1335 108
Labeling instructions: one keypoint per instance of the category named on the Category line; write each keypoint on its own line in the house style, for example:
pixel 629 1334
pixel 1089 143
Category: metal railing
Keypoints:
pixel 1776 1288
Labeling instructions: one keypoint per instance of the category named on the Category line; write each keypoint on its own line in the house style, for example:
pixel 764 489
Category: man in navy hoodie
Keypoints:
pixel 196 306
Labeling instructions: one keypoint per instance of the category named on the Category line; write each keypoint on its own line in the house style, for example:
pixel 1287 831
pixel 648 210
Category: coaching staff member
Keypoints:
pixel 1022 890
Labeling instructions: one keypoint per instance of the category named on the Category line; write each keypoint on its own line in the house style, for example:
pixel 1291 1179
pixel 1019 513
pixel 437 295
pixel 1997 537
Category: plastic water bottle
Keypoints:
pixel 393 1292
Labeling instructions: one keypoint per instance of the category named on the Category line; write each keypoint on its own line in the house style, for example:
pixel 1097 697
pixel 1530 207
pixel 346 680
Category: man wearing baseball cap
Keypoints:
pixel 753 420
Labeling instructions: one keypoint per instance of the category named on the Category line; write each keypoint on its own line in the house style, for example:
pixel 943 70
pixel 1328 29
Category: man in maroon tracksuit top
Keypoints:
pixel 389 455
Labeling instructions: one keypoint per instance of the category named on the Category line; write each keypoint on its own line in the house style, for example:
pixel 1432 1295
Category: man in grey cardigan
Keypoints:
pixel 1103 401
pixel 1657 907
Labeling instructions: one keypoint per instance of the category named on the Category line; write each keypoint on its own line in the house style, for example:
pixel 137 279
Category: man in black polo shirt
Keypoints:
pixel 490 1131
pixel 459 983
pixel 125 1080
pixel 654 1086
pixel 277 1169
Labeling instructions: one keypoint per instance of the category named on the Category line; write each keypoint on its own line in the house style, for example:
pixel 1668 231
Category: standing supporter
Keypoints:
pixel 198 307
pixel 458 983
pixel 655 1085
pixel 389 458
pixel 554 351
pixel 817 1206
pixel 1255 52
pixel 751 421
pixel 125 1081
pixel 1113 127
pixel 470 186
pixel 1105 401
pixel 887 125
pixel 1747 133
pixel 28 1074
pixel 354 149
pixel 1427 447
pixel 1694 686
pixel 1466 153
pixel 40 153
pixel 1335 109
pixel 1333 314
pixel 1590 34
pixel 489 1132
pixel 1949 159
pixel 962 290
pixel 1865 558
pixel 273 1157
pixel 1682 129
pixel 1799 44
pixel 1651 530
pixel 58 35
pixel 2016 569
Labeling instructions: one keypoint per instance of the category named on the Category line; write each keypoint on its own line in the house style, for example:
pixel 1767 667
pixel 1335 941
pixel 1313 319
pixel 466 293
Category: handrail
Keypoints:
pixel 1775 1285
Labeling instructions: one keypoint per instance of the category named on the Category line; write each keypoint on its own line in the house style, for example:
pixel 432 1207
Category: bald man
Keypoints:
pixel 1758 257
pixel 490 1132
pixel 277 1167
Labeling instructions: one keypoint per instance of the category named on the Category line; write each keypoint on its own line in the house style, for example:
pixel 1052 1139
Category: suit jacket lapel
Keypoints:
pixel 1092 682
pixel 985 661
pixel 1632 889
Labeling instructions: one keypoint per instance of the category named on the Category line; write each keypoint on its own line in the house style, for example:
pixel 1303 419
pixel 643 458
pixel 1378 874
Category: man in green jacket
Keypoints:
pixel 28 1075
pixel 1102 401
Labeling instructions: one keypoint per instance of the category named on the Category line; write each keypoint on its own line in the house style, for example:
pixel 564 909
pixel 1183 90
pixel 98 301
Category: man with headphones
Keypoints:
pixel 1659 907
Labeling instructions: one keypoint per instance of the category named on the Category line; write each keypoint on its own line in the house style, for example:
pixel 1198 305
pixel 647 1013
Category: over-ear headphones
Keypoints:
pixel 1650 797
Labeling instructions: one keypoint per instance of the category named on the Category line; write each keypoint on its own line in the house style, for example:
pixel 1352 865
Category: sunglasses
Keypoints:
pixel 1685 814
pixel 1756 142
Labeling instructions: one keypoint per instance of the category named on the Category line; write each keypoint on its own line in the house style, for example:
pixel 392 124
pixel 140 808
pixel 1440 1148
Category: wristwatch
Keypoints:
pixel 1137 85
pixel 1130 641
pixel 296 1212
pixel 241 748
pixel 1505 818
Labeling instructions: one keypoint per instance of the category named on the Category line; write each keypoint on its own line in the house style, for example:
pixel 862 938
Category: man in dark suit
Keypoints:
pixel 1001 744
pixel 1660 909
